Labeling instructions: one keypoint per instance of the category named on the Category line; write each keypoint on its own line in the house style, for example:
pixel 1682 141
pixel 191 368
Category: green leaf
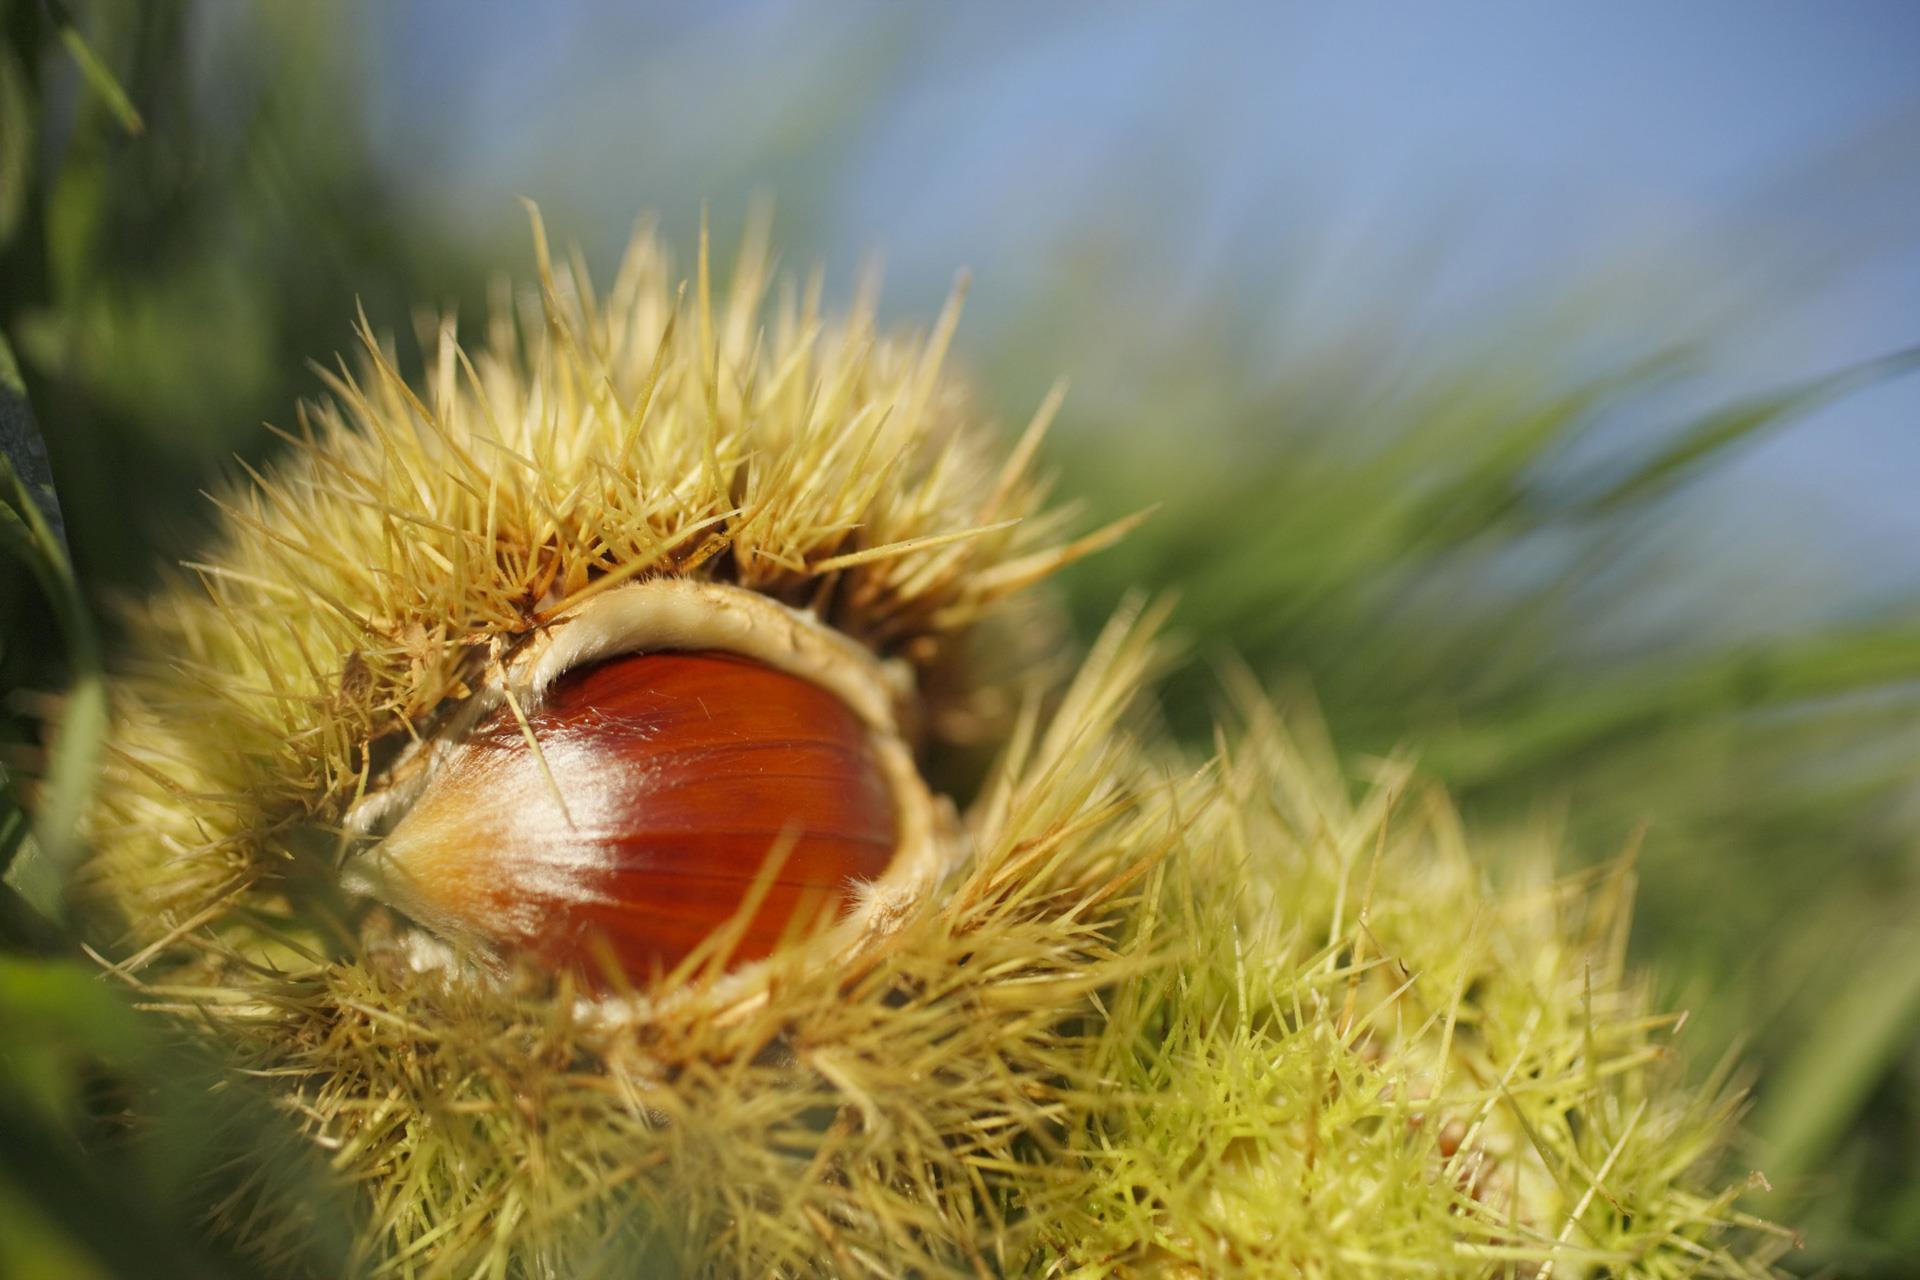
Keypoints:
pixel 22 449
pixel 28 534
pixel 59 1005
pixel 61 1027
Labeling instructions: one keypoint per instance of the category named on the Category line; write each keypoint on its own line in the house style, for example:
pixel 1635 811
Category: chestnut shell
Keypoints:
pixel 662 784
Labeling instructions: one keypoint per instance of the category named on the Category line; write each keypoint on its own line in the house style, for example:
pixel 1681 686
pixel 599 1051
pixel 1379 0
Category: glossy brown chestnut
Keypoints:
pixel 663 782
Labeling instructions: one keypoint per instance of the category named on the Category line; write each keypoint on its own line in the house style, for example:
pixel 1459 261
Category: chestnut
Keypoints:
pixel 671 758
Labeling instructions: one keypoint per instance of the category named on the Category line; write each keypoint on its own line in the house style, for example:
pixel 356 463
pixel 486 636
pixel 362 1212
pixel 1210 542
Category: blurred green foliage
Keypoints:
pixel 181 207
pixel 1450 564
pixel 1446 560
pixel 166 289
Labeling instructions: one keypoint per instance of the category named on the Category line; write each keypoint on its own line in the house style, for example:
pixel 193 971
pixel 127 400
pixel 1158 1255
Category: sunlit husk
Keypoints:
pixel 1166 1014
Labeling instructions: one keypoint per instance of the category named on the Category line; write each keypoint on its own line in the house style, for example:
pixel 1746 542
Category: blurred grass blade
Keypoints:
pixel 1523 738
pixel 27 534
pixel 16 144
pixel 1715 433
pixel 13 832
pixel 102 81
pixel 1819 1092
